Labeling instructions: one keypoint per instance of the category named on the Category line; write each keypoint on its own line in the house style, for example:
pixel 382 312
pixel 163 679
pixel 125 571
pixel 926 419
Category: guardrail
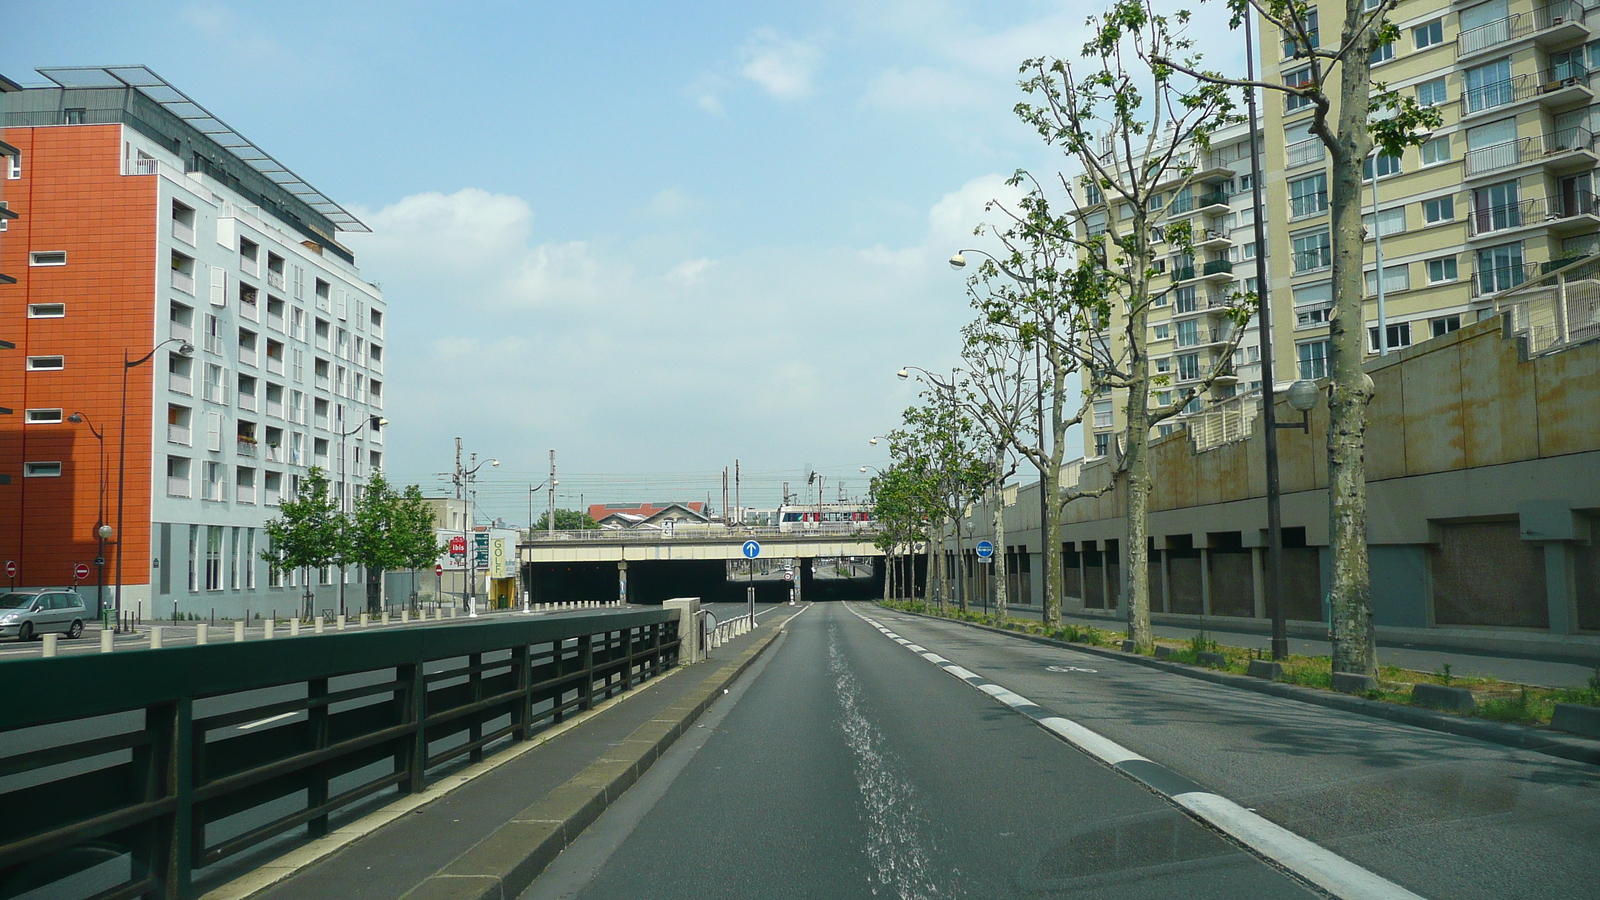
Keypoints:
pixel 151 761
pixel 801 530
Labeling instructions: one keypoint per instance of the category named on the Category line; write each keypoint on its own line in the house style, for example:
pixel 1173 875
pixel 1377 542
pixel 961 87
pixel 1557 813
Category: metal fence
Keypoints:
pixel 122 775
pixel 1558 310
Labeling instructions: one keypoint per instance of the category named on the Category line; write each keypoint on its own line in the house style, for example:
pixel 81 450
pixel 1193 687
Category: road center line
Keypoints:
pixel 1307 859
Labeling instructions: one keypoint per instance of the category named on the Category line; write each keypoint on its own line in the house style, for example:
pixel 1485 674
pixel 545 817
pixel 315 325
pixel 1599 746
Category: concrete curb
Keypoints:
pixel 1520 737
pixel 502 865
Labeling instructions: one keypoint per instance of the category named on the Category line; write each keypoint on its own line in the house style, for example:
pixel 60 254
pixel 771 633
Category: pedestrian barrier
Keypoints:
pixel 176 761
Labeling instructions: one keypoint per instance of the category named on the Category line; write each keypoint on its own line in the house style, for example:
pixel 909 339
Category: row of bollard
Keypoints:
pixel 269 627
pixel 727 631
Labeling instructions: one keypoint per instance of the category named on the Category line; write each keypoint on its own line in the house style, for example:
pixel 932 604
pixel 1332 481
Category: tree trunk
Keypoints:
pixel 888 575
pixel 1350 596
pixel 936 564
pixel 1050 549
pixel 961 567
pixel 1000 537
pixel 1136 481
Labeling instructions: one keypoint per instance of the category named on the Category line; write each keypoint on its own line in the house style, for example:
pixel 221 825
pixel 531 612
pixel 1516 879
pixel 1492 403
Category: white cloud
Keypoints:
pixel 671 203
pixel 921 89
pixel 782 66
pixel 690 270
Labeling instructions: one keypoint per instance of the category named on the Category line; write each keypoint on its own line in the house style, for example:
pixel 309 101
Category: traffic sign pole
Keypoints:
pixel 751 549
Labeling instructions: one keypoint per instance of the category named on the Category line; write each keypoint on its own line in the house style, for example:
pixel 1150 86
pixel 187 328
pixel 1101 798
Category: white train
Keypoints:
pixel 836 517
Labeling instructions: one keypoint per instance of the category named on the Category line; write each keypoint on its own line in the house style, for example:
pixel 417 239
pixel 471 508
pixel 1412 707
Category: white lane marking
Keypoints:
pixel 1329 871
pixel 1068 669
pixel 1307 859
pixel 270 719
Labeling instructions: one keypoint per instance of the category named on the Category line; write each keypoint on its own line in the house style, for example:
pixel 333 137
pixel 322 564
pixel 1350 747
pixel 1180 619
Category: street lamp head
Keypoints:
pixel 1303 394
pixel 863 470
pixel 185 349
pixel 958 262
pixel 902 374
pixel 75 418
pixel 494 462
pixel 104 532
pixel 872 441
pixel 378 422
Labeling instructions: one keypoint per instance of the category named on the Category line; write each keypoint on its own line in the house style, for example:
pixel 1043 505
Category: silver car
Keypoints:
pixel 26 614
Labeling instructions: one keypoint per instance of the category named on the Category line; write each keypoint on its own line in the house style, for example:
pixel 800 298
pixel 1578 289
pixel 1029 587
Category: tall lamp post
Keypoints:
pixel 959 261
pixel 184 349
pixel 464 478
pixel 102 531
pixel 377 423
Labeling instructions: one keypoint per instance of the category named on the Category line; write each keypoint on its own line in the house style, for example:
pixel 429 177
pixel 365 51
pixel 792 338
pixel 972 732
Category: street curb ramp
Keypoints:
pixel 1521 737
pixel 502 865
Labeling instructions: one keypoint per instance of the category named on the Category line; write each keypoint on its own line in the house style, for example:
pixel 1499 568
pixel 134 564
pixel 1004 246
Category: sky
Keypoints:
pixel 654 238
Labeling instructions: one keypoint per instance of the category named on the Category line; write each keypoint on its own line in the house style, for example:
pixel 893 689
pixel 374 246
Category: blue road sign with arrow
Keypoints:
pixel 985 549
pixel 752 549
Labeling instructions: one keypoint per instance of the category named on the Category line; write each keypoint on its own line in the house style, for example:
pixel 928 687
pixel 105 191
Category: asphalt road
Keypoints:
pixel 847 767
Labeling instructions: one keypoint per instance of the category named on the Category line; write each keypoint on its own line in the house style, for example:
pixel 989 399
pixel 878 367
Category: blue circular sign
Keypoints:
pixel 985 549
pixel 751 549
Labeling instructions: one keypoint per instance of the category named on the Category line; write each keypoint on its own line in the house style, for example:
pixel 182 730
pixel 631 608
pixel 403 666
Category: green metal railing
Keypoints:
pixel 161 763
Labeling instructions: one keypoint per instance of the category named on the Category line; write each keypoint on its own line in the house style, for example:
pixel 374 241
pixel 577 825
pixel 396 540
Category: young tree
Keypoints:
pixel 309 533
pixel 1000 397
pixel 416 541
pixel 567 520
pixel 941 434
pixel 1350 116
pixel 1135 132
pixel 373 535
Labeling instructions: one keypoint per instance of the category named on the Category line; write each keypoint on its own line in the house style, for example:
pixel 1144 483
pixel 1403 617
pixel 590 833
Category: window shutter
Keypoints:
pixel 219 286
pixel 344 303
pixel 214 431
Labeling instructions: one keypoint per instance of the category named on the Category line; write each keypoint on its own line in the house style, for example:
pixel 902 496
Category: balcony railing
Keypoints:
pixel 1518 26
pixel 275 408
pixel 1305 152
pixel 270 497
pixel 245 448
pixel 1308 204
pixel 249 308
pixel 1218 267
pixel 214 490
pixel 178 487
pixel 178 434
pixel 1488 280
pixel 1520 88
pixel 183 281
pixel 245 493
pixel 247 402
pixel 247 355
pixel 276 453
pixel 275 364
pixel 179 330
pixel 1212 198
pixel 1490 219
pixel 249 265
pixel 1528 149
pixel 183 232
pixel 180 384
pixel 275 279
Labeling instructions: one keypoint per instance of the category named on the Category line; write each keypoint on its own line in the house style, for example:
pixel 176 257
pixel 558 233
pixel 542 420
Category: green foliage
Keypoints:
pixel 1443 674
pixel 309 532
pixel 416 541
pixel 566 520
pixel 371 529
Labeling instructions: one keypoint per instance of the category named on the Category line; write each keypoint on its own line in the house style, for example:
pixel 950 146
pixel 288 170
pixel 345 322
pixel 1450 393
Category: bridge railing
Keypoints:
pixel 153 765
pixel 801 530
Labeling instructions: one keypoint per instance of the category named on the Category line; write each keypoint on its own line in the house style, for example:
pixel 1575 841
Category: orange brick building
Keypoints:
pixel 140 231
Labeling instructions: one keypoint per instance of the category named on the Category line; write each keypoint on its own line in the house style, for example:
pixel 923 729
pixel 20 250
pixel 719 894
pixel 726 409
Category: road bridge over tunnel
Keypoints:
pixel 650 581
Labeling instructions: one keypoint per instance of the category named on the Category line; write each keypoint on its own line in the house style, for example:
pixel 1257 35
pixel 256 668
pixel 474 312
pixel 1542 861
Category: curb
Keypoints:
pixel 1516 736
pixel 502 865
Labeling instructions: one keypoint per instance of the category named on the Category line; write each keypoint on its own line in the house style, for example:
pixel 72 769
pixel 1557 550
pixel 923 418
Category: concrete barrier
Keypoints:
pixel 267 629
pixel 1164 652
pixel 108 640
pixel 384 619
pixel 238 632
pixel 1214 660
pixel 1438 696
pixel 202 633
pixel 155 637
pixel 1265 668
pixel 1575 719
pixel 49 640
pixel 339 623
pixel 316 625
pixel 363 620
pixel 294 626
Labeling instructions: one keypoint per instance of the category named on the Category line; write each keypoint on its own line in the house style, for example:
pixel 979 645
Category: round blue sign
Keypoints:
pixel 985 549
pixel 751 549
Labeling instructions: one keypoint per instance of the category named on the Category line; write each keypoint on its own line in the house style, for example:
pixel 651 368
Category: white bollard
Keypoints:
pixel 294 626
pixel 384 620
pixel 50 643
pixel 363 620
pixel 405 617
pixel 107 640
pixel 155 637
pixel 316 625
pixel 452 612
pixel 340 622
pixel 266 629
pixel 202 633
pixel 238 632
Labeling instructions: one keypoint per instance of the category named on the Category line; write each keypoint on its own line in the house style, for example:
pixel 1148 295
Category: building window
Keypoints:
pixel 46 363
pixel 1436 151
pixel 1291 39
pixel 1500 268
pixel 1387 222
pixel 13 167
pixel 1313 356
pixel 194 558
pixel 1387 165
pixel 43 416
pixel 1444 325
pixel 213 557
pixel 1382 53
pixel 1102 443
pixel 1399 336
pixel 1433 93
pixel 1308 196
pixel 1395 278
pixel 1429 34
pixel 1439 209
pixel 1162 332
pixel 1188 333
pixel 233 559
pixel 47 258
pixel 41 470
pixel 1312 303
pixel 1313 250
pixel 1488 85
pixel 1297 78
pixel 47 310
pixel 1102 414
pixel 249 562
pixel 1188 367
pixel 1441 270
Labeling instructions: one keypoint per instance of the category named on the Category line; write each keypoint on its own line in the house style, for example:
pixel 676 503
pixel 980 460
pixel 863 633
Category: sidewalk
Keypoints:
pixel 390 860
pixel 1531 670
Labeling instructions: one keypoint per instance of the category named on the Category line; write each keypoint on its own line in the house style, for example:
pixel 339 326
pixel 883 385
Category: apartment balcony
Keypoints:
pixel 274 320
pixel 179 434
pixel 178 487
pixel 1560 152
pixel 245 448
pixel 1217 270
pixel 276 453
pixel 275 279
pixel 270 497
pixel 179 330
pixel 1304 153
pixel 247 402
pixel 247 356
pixel 249 266
pixel 1578 211
pixel 183 232
pixel 183 281
pixel 1556 90
pixel 275 365
pixel 275 408
pixel 1548 26
pixel 1490 280
pixel 249 308
pixel 245 493
pixel 180 384
pixel 1211 239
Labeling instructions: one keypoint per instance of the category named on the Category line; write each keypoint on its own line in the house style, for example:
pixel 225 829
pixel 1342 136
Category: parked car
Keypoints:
pixel 26 614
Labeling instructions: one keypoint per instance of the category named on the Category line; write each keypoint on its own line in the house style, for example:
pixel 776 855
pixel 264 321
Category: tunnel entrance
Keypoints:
pixel 713 581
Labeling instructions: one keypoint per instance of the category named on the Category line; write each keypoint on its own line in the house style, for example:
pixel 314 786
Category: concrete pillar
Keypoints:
pixel 107 640
pixel 385 618
pixel 1258 579
pixel 687 611
pixel 294 626
pixel 238 632
pixel 1166 581
pixel 155 637
pixel 202 633
pixel 363 620
pixel 49 640
pixel 316 625
pixel 622 582
pixel 339 623
pixel 1560 588
pixel 1205 581
pixel 405 617
pixel 266 629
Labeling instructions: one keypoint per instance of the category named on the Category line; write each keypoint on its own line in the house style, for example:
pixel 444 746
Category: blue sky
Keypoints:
pixel 653 237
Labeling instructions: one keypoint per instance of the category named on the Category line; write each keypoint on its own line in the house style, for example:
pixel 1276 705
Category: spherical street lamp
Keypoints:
pixel 958 262
pixel 1303 395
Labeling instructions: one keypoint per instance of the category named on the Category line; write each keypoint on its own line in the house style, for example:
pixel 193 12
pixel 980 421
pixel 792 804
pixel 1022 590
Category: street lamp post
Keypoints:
pixel 464 478
pixel 377 423
pixel 102 531
pixel 184 349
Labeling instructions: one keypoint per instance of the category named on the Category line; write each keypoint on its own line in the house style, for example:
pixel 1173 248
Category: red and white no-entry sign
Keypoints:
pixel 438 569
pixel 11 568
pixel 82 571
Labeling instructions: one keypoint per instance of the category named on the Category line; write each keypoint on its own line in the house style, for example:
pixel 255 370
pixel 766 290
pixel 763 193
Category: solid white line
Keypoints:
pixel 1316 864
pixel 249 725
